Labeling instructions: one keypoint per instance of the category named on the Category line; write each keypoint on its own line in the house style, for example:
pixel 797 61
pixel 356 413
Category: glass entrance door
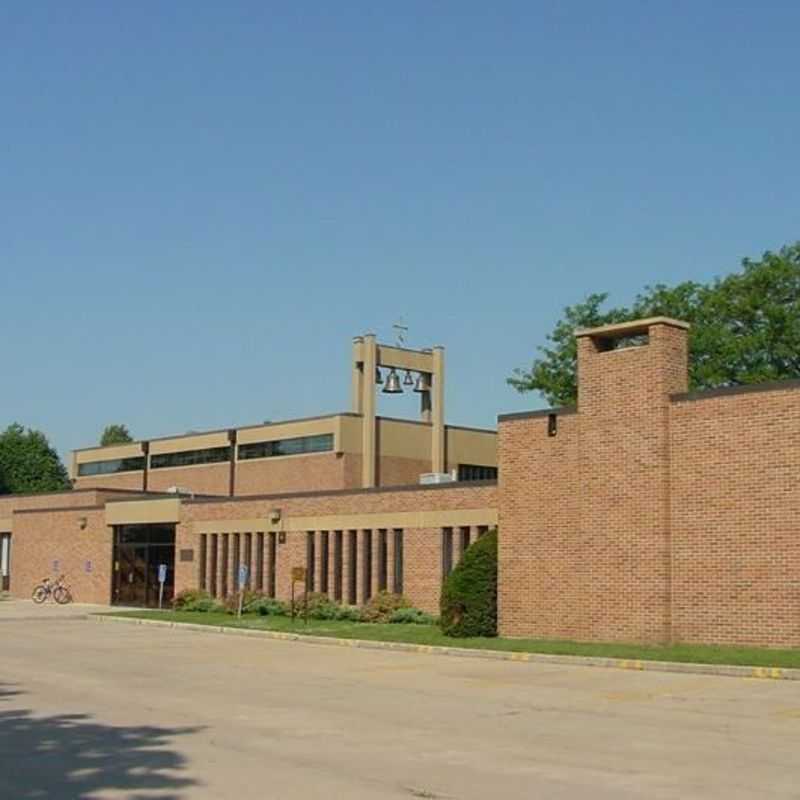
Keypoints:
pixel 139 553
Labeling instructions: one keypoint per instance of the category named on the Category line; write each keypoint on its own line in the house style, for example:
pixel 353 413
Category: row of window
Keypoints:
pixel 110 467
pixel 212 455
pixel 221 555
pixel 341 547
pixel 454 542
pixel 476 472
pixel 287 447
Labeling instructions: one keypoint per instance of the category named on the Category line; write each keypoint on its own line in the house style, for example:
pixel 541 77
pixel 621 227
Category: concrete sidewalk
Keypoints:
pixel 19 610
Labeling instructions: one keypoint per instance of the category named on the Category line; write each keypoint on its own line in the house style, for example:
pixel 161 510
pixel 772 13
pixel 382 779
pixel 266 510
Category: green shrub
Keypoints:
pixel 412 616
pixel 320 606
pixel 349 613
pixel 382 605
pixel 267 607
pixel 249 597
pixel 469 595
pixel 194 600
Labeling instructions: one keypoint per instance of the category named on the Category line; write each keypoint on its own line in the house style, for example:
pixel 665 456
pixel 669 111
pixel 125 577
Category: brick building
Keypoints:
pixel 645 514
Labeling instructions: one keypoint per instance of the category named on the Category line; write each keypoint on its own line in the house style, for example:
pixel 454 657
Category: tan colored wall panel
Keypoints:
pixel 404 439
pixel 199 442
pixel 109 453
pixel 134 512
pixel 471 447
pixel 399 358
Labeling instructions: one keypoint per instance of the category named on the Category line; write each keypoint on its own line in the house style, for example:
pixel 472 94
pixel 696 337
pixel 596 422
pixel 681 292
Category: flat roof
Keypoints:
pixel 632 326
pixel 271 424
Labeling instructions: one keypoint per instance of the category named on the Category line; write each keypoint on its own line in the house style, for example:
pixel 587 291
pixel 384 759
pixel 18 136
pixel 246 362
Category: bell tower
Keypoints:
pixel 423 373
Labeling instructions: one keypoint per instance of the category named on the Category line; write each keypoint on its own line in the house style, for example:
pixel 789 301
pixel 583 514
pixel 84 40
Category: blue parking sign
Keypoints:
pixel 243 575
pixel 162 573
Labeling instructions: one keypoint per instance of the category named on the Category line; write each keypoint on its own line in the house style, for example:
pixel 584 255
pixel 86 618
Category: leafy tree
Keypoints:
pixel 745 328
pixel 469 595
pixel 28 463
pixel 115 434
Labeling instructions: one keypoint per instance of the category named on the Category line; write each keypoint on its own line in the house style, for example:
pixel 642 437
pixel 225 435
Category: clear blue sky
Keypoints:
pixel 202 202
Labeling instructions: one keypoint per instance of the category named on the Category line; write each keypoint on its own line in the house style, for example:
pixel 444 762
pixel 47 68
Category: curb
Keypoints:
pixel 638 665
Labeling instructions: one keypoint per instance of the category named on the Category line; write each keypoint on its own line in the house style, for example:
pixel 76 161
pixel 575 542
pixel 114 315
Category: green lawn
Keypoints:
pixel 430 635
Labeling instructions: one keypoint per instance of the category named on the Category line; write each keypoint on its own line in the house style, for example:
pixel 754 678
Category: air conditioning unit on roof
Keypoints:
pixel 437 477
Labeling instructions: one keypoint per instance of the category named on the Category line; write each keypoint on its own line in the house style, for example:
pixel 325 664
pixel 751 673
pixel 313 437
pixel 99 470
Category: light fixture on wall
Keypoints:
pixel 82 523
pixel 275 515
pixel 393 383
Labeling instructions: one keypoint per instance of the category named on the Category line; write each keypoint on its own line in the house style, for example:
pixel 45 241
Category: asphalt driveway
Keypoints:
pixel 121 711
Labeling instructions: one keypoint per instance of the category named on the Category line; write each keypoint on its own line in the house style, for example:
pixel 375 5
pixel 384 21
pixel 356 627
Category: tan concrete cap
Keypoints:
pixel 632 327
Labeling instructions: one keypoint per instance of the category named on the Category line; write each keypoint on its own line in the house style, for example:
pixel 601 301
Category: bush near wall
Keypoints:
pixel 469 594
pixel 383 607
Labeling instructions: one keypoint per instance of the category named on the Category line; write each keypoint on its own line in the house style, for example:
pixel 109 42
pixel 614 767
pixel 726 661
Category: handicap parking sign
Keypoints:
pixel 162 573
pixel 243 575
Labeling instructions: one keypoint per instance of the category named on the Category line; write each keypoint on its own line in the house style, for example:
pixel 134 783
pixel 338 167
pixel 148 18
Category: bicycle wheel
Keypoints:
pixel 39 595
pixel 61 595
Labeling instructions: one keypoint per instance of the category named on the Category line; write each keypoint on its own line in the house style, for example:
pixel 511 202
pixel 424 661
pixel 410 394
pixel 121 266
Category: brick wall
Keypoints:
pixel 652 515
pixel 202 479
pixel 397 471
pixel 302 473
pixel 422 547
pixel 735 518
pixel 122 480
pixel 83 553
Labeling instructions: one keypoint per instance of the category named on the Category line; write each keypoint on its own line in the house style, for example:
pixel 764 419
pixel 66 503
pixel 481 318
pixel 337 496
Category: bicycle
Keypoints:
pixel 55 589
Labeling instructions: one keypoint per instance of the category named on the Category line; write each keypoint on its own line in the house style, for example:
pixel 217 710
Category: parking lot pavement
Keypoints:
pixel 118 711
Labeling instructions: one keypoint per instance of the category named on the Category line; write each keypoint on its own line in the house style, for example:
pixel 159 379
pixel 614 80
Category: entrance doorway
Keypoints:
pixel 5 561
pixel 139 551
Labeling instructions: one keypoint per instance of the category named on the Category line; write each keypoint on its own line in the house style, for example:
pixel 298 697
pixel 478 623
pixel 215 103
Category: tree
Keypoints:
pixel 745 328
pixel 115 434
pixel 469 594
pixel 28 463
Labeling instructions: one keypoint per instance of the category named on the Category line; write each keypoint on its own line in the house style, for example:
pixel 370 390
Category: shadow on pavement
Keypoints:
pixel 71 756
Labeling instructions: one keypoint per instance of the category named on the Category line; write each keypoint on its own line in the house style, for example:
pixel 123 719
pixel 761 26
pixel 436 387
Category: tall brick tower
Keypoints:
pixel 584 497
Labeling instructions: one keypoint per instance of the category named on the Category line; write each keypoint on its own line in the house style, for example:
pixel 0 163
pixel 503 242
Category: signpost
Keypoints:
pixel 162 577
pixel 244 573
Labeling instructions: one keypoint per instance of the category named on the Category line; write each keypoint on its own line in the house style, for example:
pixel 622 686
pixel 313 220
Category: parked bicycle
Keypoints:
pixel 57 589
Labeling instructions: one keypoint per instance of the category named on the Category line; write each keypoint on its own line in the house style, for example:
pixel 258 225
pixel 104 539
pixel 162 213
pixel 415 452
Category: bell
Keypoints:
pixel 422 384
pixel 393 384
pixel 408 380
pixel 378 376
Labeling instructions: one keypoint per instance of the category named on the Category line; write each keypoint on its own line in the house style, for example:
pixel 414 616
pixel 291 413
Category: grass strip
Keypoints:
pixel 431 635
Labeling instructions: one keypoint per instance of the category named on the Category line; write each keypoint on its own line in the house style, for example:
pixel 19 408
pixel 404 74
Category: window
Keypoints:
pixel 476 472
pixel 110 467
pixel 338 565
pixel 287 447
pixel 352 560
pixel 398 561
pixel 383 560
pixel 202 580
pixel 311 559
pixel 273 559
pixel 366 565
pixel 447 552
pixel 212 567
pixel 187 458
pixel 259 562
pixel 324 539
